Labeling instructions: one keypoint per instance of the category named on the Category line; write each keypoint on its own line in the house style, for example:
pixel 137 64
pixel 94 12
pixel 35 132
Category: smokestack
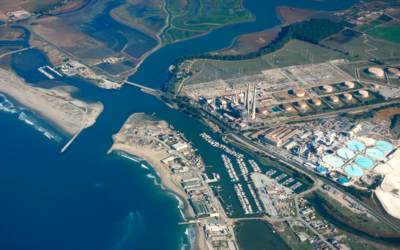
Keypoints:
pixel 248 99
pixel 253 114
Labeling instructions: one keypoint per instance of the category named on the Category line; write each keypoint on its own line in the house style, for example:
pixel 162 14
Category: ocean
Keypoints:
pixel 85 199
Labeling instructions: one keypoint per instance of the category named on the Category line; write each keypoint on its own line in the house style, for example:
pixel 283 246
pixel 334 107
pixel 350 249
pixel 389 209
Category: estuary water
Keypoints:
pixel 85 199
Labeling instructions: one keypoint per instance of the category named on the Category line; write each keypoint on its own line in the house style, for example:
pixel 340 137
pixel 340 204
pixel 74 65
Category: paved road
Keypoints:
pixel 296 201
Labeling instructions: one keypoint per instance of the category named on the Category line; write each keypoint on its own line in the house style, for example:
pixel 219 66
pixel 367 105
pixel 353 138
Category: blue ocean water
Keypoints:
pixel 85 199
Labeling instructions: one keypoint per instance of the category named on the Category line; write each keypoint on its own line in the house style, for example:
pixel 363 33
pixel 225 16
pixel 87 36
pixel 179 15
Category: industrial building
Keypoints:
pixel 278 136
pixel 179 146
pixel 262 110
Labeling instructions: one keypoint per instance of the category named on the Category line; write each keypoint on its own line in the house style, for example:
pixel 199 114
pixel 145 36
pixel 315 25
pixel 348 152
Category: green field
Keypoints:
pixel 356 218
pixel 377 22
pixel 177 34
pixel 391 34
pixel 287 234
pixel 296 53
pixel 363 28
pixel 395 126
pixel 203 15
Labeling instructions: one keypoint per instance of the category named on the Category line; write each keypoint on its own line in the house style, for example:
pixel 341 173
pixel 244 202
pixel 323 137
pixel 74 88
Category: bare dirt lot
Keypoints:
pixel 387 113
pixel 254 41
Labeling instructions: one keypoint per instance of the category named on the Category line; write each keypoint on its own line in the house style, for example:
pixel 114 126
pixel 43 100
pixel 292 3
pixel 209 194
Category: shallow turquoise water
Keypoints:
pixel 383 145
pixel 364 162
pixel 335 162
pixel 374 153
pixel 345 153
pixel 354 170
pixel 356 145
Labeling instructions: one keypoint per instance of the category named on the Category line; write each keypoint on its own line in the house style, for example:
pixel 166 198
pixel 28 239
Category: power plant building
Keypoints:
pixel 278 136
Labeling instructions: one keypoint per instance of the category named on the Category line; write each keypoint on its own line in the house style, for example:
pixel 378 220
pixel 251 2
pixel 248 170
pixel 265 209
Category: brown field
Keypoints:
pixel 57 32
pixel 8 34
pixel 7 6
pixel 35 5
pixel 254 41
pixel 387 113
pixel 376 4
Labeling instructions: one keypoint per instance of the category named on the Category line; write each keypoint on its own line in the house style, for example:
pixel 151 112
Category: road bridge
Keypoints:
pixel 141 86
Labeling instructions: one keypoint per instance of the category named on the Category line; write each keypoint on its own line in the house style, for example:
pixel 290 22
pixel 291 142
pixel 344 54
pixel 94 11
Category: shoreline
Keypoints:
pixel 55 106
pixel 165 182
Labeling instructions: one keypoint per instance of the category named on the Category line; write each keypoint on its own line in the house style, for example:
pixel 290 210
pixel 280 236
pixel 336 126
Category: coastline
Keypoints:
pixel 55 106
pixel 164 175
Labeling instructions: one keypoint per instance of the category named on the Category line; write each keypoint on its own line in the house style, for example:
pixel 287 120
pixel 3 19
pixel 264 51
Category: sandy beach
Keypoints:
pixel 169 183
pixel 56 106
pixel 169 180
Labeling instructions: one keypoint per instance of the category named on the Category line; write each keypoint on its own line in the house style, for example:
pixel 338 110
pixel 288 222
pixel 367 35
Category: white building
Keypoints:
pixel 179 146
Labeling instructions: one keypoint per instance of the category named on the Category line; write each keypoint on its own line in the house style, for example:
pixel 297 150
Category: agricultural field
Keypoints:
pixel 364 28
pixel 196 17
pixel 377 22
pixel 391 34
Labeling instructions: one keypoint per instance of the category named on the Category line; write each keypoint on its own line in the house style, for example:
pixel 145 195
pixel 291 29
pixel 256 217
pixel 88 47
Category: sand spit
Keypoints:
pixel 54 105
pixel 170 181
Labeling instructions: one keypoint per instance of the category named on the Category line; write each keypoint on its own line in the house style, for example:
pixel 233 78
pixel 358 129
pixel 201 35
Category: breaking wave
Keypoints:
pixel 191 233
pixel 7 106
pixel 180 205
pixel 144 166
pixel 151 176
pixel 30 120
pixel 130 157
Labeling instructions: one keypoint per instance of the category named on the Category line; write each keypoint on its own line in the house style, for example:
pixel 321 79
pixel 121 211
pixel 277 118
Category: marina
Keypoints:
pixel 280 177
pixel 243 168
pixel 48 75
pixel 216 144
pixel 229 168
pixel 255 198
pixel 243 199
pixel 255 166
pixel 270 172
pixel 295 186
pixel 41 70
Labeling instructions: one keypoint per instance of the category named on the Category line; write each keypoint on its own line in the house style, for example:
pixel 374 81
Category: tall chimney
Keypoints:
pixel 253 114
pixel 248 99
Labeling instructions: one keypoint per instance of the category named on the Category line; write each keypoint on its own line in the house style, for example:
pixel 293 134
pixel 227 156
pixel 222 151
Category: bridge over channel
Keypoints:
pixel 141 86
